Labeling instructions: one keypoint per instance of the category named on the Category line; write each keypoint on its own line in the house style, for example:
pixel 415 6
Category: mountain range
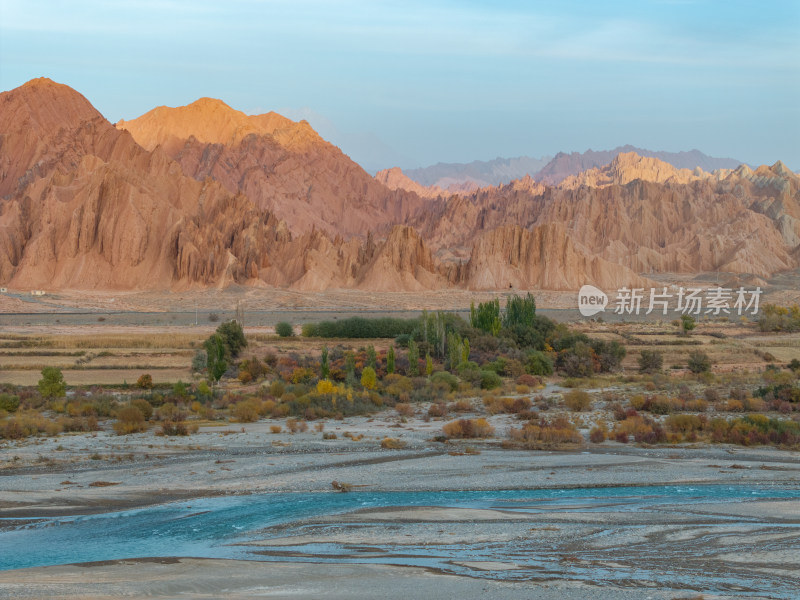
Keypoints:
pixel 204 195
pixel 459 177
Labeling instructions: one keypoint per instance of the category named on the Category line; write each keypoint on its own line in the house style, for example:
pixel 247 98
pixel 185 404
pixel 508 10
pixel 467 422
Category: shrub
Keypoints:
pixel 577 400
pixel 447 378
pixel 9 403
pixel 543 434
pixel 392 443
pixel 144 407
pixel 246 411
pixel 438 409
pixel 176 428
pixel 651 361
pixel 687 323
pixel 145 381
pixel 404 410
pixel 295 426
pixel 275 428
pixel 539 363
pixel 506 405
pixel 199 361
pixel 597 435
pixel 129 420
pixel 699 362
pixel 490 380
pixel 468 428
pixel 277 388
pixel 284 329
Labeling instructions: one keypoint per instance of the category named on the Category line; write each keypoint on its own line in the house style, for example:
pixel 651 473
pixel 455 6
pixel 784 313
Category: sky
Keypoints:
pixel 410 83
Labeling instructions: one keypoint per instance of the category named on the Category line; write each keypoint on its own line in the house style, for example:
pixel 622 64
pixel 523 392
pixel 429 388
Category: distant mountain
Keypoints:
pixel 477 173
pixel 564 165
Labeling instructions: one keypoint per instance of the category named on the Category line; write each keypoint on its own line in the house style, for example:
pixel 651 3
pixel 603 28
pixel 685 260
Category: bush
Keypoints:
pixel 129 420
pixel 177 428
pixel 597 435
pixel 392 443
pixel 577 400
pixel 284 329
pixel 295 426
pixel 9 403
pixel 404 410
pixel 144 407
pixel 539 363
pixel 447 378
pixel 145 382
pixel 699 362
pixel 651 361
pixel 275 428
pixel 468 428
pixel 247 411
pixel 544 434
pixel 490 380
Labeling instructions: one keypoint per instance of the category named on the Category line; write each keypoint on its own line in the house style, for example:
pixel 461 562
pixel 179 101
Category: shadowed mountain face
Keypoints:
pixel 204 195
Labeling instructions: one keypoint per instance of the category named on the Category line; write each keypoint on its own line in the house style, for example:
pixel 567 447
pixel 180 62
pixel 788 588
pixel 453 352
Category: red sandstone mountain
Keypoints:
pixel 281 165
pixel 84 206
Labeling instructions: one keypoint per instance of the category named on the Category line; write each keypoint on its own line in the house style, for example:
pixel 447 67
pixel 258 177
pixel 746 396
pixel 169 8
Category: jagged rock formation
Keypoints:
pixel 629 166
pixel 741 221
pixel 84 206
pixel 281 165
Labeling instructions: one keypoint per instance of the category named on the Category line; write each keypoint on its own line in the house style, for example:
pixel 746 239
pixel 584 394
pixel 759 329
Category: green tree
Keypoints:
pixel 428 365
pixel 520 311
pixel 52 384
pixel 368 378
pixel 465 351
pixel 455 348
pixel 325 369
pixel 413 358
pixel 372 357
pixel 390 360
pixel 232 337
pixel 486 317
pixel 284 329
pixel 216 352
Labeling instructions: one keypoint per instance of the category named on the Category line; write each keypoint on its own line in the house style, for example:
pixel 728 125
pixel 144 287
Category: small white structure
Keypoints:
pixel 3 290
pixel 37 292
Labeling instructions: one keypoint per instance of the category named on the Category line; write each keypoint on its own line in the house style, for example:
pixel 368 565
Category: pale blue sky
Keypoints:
pixel 413 83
